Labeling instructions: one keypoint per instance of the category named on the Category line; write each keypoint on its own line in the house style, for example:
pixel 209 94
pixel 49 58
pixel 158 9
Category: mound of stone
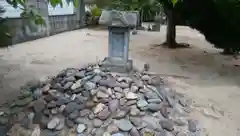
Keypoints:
pixel 93 101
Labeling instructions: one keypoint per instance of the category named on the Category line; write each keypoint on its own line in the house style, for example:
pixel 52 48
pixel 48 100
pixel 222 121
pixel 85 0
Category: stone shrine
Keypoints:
pixel 118 42
pixel 157 23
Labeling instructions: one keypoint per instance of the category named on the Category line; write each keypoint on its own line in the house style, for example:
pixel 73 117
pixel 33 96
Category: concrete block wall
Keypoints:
pixel 23 30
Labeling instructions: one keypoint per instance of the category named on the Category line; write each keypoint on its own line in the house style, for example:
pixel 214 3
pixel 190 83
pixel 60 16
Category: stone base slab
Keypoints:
pixel 117 65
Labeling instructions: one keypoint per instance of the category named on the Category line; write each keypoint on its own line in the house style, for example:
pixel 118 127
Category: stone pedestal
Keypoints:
pixel 157 23
pixel 117 65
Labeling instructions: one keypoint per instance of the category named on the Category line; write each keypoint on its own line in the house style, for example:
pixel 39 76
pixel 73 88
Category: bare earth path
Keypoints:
pixel 201 72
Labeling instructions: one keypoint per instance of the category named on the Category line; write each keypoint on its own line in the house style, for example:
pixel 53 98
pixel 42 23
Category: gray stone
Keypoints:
pixel 61 124
pixel 26 123
pixel 142 103
pixel 134 88
pixel 112 129
pixel 89 86
pixel 167 125
pixel 151 122
pixel 70 79
pixel 102 88
pixel 68 85
pixel 96 79
pixel 24 101
pixel 94 92
pixel 80 120
pixel 164 112
pixel 39 105
pixel 120 114
pixel 146 78
pixel 180 122
pixel 70 107
pixel 119 18
pixel 123 85
pixel 84 112
pixel 134 132
pixel 43 122
pixel 24 94
pixel 118 89
pixel 107 122
pixel 113 105
pixel 104 114
pixel 102 95
pixel 119 95
pixel 134 111
pixel 131 102
pixel 124 125
pixel 154 107
pixel 53 123
pixel 46 112
pixel 51 105
pixel 47 132
pixel 170 101
pixel 86 94
pixel 123 101
pixel 109 83
pixel 155 81
pixel 70 123
pixel 157 101
pixel 62 101
pixel 3 120
pixel 80 74
pixel 97 123
pixel 192 125
pixel 136 121
pixel 158 115
pixel 138 83
pixel 99 132
pixel 118 134
pixel 73 115
pixel 151 95
pixel 81 128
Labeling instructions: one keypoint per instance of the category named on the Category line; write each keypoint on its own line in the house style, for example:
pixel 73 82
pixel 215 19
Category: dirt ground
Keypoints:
pixel 210 79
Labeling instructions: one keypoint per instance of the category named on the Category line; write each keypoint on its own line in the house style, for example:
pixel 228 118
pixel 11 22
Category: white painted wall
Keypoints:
pixel 58 10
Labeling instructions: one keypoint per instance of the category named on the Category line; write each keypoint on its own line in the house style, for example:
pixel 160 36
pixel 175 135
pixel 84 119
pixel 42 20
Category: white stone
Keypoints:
pixel 53 123
pixel 36 131
pixel 97 71
pixel 73 97
pixel 131 95
pixel 76 85
pixel 81 128
pixel 99 108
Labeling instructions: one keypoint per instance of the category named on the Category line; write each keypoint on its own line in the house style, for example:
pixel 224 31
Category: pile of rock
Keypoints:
pixel 92 101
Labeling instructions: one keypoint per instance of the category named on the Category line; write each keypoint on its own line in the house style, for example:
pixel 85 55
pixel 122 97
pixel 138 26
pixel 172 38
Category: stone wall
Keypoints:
pixel 23 30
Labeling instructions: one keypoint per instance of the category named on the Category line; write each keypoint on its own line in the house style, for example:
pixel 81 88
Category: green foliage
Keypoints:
pixel 4 30
pixel 218 20
pixel 95 11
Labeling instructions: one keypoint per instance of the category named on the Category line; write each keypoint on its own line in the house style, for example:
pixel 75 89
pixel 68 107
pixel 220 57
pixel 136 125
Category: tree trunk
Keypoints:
pixel 171 29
